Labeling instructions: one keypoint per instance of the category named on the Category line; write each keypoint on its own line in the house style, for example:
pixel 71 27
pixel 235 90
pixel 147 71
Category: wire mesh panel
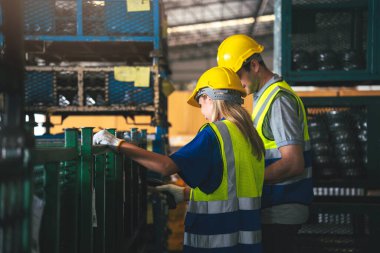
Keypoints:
pixel 39 17
pixel 94 18
pixel 120 18
pixel 328 38
pixel 95 92
pixel 334 232
pixel 127 94
pixel 39 88
pixel 65 17
pixel 67 88
pixel 87 89
pixel 339 141
pixel 50 17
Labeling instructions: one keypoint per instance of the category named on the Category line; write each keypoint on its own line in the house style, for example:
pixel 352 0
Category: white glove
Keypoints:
pixel 106 138
pixel 176 191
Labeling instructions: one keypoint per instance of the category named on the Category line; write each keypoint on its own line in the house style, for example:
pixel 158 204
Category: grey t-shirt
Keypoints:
pixel 284 125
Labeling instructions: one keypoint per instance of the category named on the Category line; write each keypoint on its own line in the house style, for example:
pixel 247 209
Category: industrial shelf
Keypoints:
pixel 344 138
pixel 90 90
pixel 71 30
pixel 327 42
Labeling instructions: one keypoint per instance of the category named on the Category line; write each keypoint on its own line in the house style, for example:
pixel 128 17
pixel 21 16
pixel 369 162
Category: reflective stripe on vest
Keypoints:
pixel 297 189
pixel 225 200
pixel 224 206
pixel 222 240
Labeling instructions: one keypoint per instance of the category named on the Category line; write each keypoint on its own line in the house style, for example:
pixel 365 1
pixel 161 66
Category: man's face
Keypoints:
pixel 249 80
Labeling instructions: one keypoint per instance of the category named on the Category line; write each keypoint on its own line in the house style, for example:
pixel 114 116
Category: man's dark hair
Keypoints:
pixel 247 63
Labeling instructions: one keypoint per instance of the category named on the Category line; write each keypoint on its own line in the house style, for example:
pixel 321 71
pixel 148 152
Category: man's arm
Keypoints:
pixel 290 165
pixel 286 128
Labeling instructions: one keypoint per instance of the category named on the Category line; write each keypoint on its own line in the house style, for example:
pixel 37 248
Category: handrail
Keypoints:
pixel 100 149
pixel 48 155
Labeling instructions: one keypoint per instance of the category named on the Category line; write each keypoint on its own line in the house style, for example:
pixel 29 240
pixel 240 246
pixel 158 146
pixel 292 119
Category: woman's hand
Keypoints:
pixel 176 191
pixel 106 138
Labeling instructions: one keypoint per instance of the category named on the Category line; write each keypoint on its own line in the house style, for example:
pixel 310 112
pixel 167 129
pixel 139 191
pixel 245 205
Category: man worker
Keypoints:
pixel 280 119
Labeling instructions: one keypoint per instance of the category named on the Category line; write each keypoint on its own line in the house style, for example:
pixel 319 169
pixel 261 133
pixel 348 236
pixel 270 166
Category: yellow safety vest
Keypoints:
pixel 230 216
pixel 295 190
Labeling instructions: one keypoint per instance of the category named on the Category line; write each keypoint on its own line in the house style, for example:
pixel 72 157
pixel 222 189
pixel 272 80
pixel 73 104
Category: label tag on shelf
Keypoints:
pixel 139 75
pixel 142 77
pixel 138 5
pixel 124 74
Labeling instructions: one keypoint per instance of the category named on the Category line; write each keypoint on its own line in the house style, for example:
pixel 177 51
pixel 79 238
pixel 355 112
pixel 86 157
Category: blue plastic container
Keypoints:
pixel 39 17
pixel 125 93
pixel 39 88
pixel 120 21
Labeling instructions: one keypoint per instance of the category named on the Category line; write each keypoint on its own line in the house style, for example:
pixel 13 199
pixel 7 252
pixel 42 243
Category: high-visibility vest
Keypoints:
pixel 294 190
pixel 228 220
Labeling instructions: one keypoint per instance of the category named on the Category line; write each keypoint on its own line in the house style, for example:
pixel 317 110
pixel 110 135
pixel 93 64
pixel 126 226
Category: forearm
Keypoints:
pixel 150 160
pixel 186 193
pixel 277 172
pixel 290 165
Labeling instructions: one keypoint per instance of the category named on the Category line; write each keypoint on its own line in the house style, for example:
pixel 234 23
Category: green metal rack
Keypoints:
pixel 327 42
pixel 345 214
pixel 59 193
pixel 83 188
pixel 363 108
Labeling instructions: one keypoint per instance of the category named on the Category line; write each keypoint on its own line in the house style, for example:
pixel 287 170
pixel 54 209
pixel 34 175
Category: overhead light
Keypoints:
pixel 100 3
pixel 220 24
pixel 266 18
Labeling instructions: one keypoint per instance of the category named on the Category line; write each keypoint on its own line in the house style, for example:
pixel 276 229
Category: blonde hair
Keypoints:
pixel 240 117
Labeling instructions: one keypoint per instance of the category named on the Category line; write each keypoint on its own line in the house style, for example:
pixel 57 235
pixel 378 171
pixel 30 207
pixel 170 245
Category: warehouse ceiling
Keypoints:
pixel 196 28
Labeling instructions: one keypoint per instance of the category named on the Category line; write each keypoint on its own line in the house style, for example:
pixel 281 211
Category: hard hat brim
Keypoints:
pixel 191 100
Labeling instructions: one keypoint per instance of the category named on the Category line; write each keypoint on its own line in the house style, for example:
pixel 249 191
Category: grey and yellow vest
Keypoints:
pixel 295 190
pixel 228 220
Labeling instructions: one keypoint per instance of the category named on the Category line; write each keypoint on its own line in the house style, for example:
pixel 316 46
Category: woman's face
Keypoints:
pixel 207 107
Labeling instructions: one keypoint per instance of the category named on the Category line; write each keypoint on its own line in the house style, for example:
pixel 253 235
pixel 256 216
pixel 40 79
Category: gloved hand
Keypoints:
pixel 176 191
pixel 106 138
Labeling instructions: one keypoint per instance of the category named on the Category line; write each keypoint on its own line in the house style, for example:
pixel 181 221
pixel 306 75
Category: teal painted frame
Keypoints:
pixel 283 47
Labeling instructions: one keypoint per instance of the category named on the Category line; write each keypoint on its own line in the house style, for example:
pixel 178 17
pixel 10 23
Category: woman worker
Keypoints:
pixel 223 165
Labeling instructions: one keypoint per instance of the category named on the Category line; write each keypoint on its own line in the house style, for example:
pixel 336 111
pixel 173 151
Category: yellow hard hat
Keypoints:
pixel 217 78
pixel 234 50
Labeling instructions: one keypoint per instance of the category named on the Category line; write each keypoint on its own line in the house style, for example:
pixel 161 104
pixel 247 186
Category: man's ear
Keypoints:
pixel 255 65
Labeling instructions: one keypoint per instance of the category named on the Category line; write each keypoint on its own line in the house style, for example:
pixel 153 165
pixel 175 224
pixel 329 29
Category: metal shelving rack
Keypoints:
pixel 330 42
pixel 345 211
pixel 48 103
pixel 309 34
pixel 335 43
pixel 102 34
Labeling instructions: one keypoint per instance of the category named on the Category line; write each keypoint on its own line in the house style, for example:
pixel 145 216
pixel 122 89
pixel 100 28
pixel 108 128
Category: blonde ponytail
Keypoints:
pixel 240 117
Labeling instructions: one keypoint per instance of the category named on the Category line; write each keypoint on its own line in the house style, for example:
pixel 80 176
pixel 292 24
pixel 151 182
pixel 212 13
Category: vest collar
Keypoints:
pixel 276 78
